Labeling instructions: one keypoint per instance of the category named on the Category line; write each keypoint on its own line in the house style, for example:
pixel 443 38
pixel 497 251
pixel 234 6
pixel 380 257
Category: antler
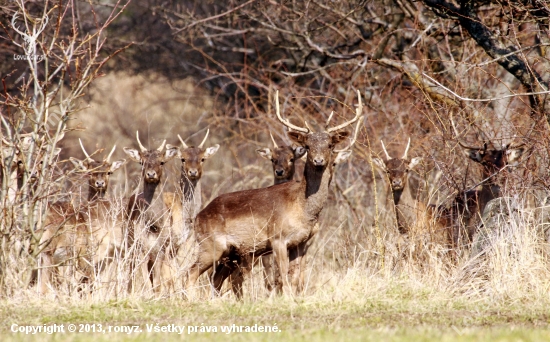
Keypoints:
pixel 328 120
pixel 407 149
pixel 161 146
pixel 352 142
pixel 274 143
pixel 110 154
pixel 182 142
pixel 512 144
pixel 458 137
pixel 385 151
pixel 84 150
pixel 203 140
pixel 141 147
pixel 286 122
pixel 358 113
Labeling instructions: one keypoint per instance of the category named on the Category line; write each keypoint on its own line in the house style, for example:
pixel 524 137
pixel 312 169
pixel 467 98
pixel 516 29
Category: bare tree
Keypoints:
pixel 59 62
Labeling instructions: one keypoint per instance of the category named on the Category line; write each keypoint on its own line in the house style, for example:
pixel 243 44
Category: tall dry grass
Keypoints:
pixel 358 253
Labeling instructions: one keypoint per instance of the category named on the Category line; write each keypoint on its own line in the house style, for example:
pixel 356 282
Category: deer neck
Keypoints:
pixel 149 191
pixel 94 194
pixel 280 181
pixel 490 188
pixel 315 185
pixel 405 207
pixel 189 188
pixel 488 192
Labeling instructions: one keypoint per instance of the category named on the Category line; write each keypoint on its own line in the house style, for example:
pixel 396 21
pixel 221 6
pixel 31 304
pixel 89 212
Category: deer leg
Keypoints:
pixel 280 253
pixel 223 270
pixel 296 257
pixel 301 283
pixel 156 270
pixel 207 256
pixel 237 277
pixel 270 275
pixel 45 273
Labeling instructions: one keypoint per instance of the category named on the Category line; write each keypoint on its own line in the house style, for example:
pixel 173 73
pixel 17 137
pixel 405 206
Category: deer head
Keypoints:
pixel 492 159
pixel 397 169
pixel 320 145
pixel 19 152
pixel 152 161
pixel 193 158
pixel 282 159
pixel 97 171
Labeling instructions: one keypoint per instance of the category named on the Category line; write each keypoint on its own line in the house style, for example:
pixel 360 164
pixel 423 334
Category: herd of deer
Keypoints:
pixel 235 230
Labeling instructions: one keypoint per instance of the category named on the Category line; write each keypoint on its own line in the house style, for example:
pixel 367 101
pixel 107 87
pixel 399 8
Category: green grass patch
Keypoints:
pixel 302 320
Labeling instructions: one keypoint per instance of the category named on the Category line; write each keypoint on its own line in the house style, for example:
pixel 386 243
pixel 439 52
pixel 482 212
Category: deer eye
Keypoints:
pixel 272 160
pixel 183 160
pixel 161 163
pixel 202 160
pixel 291 160
pixel 307 147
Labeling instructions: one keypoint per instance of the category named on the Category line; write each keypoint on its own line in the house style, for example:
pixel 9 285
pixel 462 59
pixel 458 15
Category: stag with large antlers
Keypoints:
pixel 84 234
pixel 283 162
pixel 467 207
pixel 241 224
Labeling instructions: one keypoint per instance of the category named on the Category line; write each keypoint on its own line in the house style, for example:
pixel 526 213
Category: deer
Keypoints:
pixel 238 225
pixel 88 230
pixel 186 202
pixel 413 216
pixel 192 162
pixel 282 160
pixel 25 159
pixel 462 216
pixel 152 163
pixel 407 208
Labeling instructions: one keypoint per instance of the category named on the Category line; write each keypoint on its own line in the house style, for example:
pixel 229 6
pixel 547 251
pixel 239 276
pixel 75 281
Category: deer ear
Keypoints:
pixel 414 162
pixel 297 137
pixel 78 164
pixel 265 153
pixel 379 163
pixel 339 136
pixel 117 164
pixel 514 154
pixel 342 156
pixel 171 152
pixel 211 151
pixel 133 154
pixel 56 151
pixel 171 147
pixel 299 152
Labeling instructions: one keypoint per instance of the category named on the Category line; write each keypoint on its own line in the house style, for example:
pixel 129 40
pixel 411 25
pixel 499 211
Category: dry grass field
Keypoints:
pixel 358 284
